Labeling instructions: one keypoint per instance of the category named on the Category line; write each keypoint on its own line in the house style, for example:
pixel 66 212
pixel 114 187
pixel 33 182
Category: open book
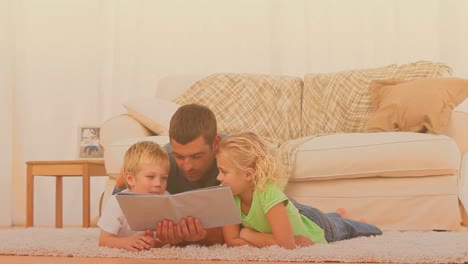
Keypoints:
pixel 214 206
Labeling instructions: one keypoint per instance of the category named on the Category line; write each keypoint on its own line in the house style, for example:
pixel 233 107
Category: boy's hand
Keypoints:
pixel 144 241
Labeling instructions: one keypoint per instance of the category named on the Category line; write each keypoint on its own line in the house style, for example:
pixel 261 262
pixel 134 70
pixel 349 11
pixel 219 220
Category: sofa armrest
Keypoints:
pixel 122 127
pixel 119 128
pixel 116 128
pixel 458 126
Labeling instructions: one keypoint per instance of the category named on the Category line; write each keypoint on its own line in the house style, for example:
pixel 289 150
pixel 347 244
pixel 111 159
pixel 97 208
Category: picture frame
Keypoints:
pixel 89 145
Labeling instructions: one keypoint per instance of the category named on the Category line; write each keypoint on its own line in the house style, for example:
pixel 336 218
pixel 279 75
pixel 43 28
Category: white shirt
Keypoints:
pixel 113 220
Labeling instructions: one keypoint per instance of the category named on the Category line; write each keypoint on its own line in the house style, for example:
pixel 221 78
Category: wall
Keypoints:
pixel 6 113
pixel 76 61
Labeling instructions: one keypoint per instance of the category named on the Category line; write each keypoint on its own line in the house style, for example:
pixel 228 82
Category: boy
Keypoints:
pixel 146 170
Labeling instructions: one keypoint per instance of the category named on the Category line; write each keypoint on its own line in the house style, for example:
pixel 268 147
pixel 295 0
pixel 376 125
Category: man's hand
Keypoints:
pixel 191 229
pixel 167 233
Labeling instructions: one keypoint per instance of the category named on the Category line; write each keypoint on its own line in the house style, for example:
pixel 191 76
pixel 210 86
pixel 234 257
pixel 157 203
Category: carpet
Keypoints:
pixel 391 247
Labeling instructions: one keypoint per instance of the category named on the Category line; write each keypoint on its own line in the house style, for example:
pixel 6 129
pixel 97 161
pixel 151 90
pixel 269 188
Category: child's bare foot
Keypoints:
pixel 344 214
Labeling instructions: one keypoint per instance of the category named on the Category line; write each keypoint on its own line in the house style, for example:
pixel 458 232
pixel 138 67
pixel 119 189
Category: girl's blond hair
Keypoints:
pixel 144 152
pixel 249 150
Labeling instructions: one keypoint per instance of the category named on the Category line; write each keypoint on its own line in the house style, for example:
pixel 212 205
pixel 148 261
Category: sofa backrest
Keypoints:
pixel 268 105
pixel 340 102
pixel 171 86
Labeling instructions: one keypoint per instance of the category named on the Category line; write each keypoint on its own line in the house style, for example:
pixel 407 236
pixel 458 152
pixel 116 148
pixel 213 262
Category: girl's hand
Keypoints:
pixel 302 241
pixel 250 234
pixel 232 235
pixel 246 233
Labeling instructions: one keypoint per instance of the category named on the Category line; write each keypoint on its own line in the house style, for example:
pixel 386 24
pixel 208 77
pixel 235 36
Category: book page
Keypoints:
pixel 214 206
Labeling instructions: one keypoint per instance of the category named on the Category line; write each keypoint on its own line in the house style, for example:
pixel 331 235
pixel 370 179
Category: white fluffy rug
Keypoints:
pixel 392 247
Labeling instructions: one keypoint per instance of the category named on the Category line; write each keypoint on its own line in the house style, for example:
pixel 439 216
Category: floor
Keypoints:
pixel 75 260
pixel 78 260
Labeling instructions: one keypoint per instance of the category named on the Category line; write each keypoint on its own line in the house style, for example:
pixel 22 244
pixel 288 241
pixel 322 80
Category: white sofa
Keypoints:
pixel 396 180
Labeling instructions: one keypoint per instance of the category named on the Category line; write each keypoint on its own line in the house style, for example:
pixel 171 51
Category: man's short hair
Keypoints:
pixel 191 121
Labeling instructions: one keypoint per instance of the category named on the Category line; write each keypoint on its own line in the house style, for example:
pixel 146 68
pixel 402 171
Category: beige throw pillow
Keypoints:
pixel 340 102
pixel 418 106
pixel 155 114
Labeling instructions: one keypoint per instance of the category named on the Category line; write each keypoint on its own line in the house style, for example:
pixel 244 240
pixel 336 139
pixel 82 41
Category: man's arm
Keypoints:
pixel 214 236
pixel 120 182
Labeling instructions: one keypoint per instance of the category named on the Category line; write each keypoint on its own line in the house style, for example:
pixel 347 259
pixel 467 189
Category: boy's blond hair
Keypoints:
pixel 144 152
pixel 249 150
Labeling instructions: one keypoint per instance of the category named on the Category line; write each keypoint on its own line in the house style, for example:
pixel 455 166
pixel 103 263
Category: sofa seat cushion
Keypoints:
pixel 384 154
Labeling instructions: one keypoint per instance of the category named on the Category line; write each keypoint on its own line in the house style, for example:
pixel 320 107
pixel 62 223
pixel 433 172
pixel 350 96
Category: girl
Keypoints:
pixel 251 169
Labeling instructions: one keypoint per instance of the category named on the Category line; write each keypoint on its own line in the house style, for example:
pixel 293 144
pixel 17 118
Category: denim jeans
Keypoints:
pixel 117 190
pixel 335 227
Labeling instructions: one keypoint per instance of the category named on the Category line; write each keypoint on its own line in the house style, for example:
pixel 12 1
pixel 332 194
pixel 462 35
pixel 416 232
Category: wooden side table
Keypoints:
pixel 60 169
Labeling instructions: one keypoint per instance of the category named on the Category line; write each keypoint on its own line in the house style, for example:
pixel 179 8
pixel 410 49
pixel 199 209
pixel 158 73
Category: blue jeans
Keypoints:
pixel 117 190
pixel 335 227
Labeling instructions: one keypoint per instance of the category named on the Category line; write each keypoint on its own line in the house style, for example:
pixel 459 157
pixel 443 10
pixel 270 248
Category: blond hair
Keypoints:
pixel 249 150
pixel 144 152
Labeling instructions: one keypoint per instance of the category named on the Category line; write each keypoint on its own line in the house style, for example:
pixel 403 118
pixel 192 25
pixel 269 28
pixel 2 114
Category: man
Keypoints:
pixel 194 141
pixel 192 150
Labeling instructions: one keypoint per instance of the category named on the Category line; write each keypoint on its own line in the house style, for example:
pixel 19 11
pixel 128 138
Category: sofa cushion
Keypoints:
pixel 341 102
pixel 403 203
pixel 265 104
pixel 155 114
pixel 385 154
pixel 419 105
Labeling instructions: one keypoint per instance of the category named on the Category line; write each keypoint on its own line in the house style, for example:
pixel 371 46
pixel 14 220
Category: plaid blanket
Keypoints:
pixel 288 112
